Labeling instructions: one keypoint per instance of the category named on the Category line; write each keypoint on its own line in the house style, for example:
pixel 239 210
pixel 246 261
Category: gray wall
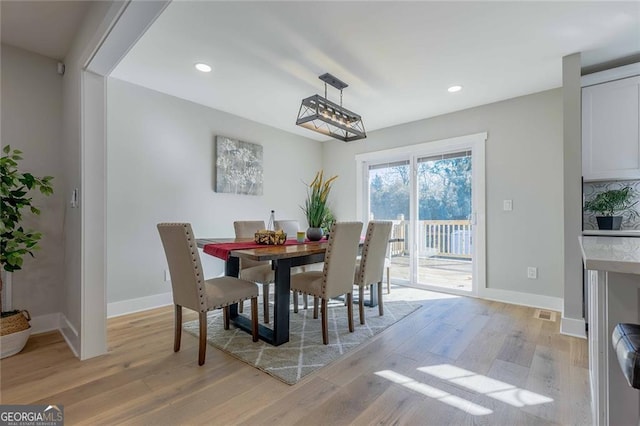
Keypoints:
pixel 32 122
pixel 572 194
pixel 160 167
pixel 524 163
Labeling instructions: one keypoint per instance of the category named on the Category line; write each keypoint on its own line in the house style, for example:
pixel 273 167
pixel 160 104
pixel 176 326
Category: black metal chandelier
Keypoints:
pixel 323 116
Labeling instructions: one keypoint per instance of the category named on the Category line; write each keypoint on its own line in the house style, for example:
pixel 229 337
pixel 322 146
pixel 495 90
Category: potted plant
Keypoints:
pixel 15 241
pixel 315 207
pixel 611 205
pixel 328 221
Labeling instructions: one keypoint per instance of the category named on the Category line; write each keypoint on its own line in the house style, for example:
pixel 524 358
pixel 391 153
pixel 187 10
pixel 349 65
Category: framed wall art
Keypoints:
pixel 238 166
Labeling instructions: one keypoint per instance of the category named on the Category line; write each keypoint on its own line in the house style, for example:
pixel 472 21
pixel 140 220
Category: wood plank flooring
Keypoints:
pixel 455 361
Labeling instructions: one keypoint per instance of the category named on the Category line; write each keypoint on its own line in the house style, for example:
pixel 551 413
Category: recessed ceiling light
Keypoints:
pixel 200 66
pixel 454 89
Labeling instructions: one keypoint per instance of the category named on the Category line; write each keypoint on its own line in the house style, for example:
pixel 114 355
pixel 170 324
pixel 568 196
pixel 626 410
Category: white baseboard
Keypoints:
pixel 44 323
pixel 573 327
pixel 70 335
pixel 524 299
pixel 124 307
pixel 57 321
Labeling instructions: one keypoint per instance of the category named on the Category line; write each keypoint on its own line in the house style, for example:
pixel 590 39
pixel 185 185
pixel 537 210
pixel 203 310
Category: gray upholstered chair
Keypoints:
pixel 252 270
pixel 370 267
pixel 191 290
pixel 290 227
pixel 387 267
pixel 336 278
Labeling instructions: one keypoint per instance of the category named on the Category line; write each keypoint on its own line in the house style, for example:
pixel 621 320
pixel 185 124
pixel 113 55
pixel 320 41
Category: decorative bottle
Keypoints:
pixel 271 226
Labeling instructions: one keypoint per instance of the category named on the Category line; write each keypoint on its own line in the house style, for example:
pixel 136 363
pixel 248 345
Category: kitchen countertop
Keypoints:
pixel 619 233
pixel 614 254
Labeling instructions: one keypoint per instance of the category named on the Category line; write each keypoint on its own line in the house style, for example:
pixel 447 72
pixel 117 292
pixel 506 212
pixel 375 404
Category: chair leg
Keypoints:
pixel 225 317
pixel 380 309
pixel 178 328
pixel 325 322
pixel 203 338
pixel 254 318
pixel 295 301
pixel 350 310
pixel 361 303
pixel 241 306
pixel 388 282
pixel 265 302
pixel 315 307
pixel 305 300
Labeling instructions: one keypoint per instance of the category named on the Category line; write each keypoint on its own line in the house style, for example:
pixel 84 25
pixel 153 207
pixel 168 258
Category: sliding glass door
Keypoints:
pixel 433 193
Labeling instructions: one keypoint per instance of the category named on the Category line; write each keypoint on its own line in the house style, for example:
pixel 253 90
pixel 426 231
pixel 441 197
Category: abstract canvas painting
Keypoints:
pixel 238 166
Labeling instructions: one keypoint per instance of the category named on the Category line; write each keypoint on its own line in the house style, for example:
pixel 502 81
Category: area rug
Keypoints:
pixel 304 353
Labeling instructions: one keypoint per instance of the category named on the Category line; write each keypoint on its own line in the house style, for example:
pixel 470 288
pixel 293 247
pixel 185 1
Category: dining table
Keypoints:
pixel 283 258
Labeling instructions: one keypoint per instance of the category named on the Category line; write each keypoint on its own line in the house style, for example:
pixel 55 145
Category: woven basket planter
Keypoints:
pixel 13 323
pixel 14 333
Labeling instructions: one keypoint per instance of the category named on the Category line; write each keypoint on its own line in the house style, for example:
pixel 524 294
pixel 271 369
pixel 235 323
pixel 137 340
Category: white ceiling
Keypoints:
pixel 397 57
pixel 44 27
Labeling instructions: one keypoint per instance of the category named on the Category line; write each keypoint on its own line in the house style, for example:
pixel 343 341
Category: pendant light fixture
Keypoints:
pixel 323 116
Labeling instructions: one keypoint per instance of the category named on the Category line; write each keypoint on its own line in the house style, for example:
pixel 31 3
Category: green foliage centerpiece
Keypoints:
pixel 315 207
pixel 15 241
pixel 611 205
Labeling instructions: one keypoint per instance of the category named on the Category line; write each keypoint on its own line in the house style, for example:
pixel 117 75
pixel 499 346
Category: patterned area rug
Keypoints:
pixel 304 353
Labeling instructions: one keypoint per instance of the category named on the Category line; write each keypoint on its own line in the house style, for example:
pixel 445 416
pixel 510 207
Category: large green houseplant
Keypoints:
pixel 315 207
pixel 15 241
pixel 611 206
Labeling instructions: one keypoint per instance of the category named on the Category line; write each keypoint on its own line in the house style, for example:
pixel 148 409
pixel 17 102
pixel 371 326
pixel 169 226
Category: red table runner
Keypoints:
pixel 222 250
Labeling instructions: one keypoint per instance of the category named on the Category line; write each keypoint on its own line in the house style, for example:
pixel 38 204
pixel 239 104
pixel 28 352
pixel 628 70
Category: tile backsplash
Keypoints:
pixel 590 189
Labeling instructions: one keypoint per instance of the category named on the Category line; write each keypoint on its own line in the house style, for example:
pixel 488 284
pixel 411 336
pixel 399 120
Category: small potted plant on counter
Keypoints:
pixel 611 206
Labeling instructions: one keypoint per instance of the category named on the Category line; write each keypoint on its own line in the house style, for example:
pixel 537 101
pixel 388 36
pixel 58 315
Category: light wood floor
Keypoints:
pixel 539 376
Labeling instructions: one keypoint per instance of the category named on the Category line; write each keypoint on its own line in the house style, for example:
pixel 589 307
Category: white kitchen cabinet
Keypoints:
pixel 611 130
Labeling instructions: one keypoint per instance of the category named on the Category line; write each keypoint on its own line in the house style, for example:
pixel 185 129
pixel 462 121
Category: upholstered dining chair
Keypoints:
pixel 290 227
pixel 370 267
pixel 336 278
pixel 191 290
pixel 252 270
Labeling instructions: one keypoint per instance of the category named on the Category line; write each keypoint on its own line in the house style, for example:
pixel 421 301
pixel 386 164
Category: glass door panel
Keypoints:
pixel 390 199
pixel 444 249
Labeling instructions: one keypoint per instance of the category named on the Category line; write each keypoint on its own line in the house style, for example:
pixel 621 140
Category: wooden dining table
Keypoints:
pixel 282 258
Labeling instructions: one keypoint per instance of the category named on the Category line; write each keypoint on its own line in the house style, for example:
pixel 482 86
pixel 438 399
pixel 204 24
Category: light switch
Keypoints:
pixel 507 205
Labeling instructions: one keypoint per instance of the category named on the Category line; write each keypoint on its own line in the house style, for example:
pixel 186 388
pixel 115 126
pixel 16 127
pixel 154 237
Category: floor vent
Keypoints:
pixel 545 315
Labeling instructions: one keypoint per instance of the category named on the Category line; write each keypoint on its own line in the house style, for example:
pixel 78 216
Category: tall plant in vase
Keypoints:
pixel 15 241
pixel 315 207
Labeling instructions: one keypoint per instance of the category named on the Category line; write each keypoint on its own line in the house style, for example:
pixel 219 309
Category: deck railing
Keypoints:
pixel 444 238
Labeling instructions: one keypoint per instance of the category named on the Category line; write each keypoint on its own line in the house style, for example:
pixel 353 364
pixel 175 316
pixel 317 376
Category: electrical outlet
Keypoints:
pixel 167 276
pixel 532 273
pixel 507 205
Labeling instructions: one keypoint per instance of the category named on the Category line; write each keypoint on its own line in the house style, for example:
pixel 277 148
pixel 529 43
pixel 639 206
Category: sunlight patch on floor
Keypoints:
pixel 435 393
pixel 493 388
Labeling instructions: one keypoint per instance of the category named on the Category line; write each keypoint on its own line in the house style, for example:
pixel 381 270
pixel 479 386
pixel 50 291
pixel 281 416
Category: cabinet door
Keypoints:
pixel 610 134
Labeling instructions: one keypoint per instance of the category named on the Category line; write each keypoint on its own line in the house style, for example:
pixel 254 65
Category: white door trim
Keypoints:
pixel 475 143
